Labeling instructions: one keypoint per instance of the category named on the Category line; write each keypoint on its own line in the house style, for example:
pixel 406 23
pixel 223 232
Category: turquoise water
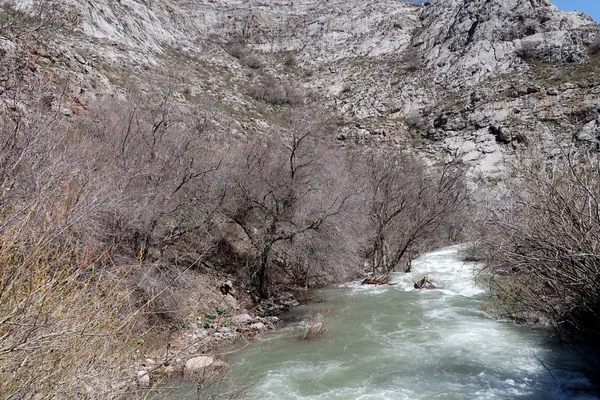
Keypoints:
pixel 395 342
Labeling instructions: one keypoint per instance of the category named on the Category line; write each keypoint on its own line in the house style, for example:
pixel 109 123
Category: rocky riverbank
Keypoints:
pixel 194 348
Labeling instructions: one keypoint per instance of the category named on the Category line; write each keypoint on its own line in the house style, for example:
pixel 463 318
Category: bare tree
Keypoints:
pixel 540 242
pixel 288 194
pixel 408 203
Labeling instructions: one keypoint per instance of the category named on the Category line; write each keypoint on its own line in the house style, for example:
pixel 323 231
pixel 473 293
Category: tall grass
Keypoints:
pixel 63 329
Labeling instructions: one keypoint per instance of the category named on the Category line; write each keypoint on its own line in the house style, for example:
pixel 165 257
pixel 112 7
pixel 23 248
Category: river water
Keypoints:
pixel 395 342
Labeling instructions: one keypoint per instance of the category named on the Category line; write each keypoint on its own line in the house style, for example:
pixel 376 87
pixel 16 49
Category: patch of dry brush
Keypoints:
pixel 64 328
pixel 541 243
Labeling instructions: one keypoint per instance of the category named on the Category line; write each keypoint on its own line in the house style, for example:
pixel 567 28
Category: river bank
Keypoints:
pixel 395 342
pixel 194 350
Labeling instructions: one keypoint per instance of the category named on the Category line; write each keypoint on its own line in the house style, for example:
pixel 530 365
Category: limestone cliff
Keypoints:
pixel 451 78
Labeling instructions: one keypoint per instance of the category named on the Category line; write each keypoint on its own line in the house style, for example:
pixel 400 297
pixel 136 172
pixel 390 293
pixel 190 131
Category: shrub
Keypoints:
pixel 235 49
pixel 528 51
pixel 64 332
pixel 221 310
pixel 290 60
pixel 254 62
pixel 412 60
pixel 270 90
pixel 316 323
pixel 540 243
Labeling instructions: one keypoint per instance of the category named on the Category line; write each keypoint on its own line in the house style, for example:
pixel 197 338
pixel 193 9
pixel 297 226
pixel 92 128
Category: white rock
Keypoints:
pixel 466 148
pixel 231 302
pixel 79 58
pixel 199 334
pixel 143 379
pixel 195 365
pixel 258 327
pixel 241 319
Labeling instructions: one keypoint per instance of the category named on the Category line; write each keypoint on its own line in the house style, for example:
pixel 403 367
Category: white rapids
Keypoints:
pixel 396 342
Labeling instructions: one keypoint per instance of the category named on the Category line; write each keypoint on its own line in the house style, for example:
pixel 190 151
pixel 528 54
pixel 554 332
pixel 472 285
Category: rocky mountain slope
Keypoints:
pixel 452 78
pixel 123 123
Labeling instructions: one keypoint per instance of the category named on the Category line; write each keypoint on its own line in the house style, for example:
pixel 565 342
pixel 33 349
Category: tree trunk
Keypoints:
pixel 263 276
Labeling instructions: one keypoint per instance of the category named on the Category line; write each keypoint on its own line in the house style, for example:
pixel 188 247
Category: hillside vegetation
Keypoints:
pixel 116 214
pixel 150 152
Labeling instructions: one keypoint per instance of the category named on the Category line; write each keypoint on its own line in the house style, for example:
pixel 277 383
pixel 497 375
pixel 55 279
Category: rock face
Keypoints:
pixel 468 80
pixel 467 41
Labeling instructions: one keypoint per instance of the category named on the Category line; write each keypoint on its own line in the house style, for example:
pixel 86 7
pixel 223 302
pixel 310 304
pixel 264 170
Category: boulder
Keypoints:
pixel 230 301
pixel 242 319
pixel 429 282
pixel 196 365
pixel 291 303
pixel 227 287
pixel 258 327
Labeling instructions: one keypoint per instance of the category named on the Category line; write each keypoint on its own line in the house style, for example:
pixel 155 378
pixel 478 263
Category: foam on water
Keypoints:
pixel 396 342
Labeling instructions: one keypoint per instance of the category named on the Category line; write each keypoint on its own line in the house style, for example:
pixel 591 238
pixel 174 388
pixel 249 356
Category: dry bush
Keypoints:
pixel 235 48
pixel 254 62
pixel 145 165
pixel 270 90
pixel 529 51
pixel 316 323
pixel 151 164
pixel 289 194
pixel 27 28
pixel 540 243
pixel 290 60
pixel 64 332
pixel 211 385
pixel 409 206
pixel 412 60
pixel 35 20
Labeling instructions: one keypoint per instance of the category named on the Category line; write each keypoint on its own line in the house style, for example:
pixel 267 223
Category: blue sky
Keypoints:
pixel 591 7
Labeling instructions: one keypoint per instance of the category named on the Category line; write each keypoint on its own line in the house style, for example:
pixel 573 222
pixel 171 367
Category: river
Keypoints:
pixel 395 342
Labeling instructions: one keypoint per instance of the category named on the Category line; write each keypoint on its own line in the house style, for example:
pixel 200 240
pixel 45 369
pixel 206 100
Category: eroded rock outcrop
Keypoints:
pixel 438 77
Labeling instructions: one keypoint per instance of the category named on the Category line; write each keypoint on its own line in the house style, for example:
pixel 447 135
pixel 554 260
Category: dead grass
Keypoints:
pixel 63 330
pixel 317 322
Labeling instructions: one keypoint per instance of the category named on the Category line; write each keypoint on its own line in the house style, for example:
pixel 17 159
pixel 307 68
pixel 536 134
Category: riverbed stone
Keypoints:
pixel 258 327
pixel 429 282
pixel 242 319
pixel 196 365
